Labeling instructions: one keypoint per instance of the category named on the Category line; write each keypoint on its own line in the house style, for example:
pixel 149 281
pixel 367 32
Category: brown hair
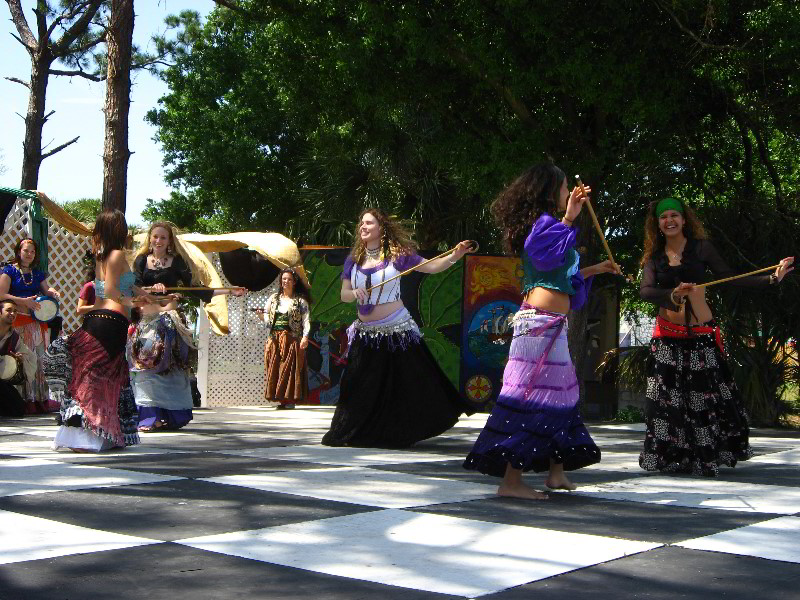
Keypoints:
pixel 18 249
pixel 524 200
pixel 300 288
pixel 395 239
pixel 654 241
pixel 110 233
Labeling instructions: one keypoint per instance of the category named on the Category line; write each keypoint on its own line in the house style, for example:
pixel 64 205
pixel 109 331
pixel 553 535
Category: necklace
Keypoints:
pixel 159 263
pixel 373 254
pixel 26 280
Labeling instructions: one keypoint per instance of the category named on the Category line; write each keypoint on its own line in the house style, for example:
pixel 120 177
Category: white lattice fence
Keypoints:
pixel 236 361
pixel 16 228
pixel 65 252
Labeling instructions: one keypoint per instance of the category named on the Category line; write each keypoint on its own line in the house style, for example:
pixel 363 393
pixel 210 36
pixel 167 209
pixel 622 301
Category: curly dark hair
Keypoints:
pixel 300 288
pixel 530 195
pixel 395 239
pixel 654 241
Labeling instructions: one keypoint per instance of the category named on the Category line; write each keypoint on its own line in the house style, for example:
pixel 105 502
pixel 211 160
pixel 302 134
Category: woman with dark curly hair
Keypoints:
pixel 695 419
pixel 392 393
pixel 535 422
pixel 288 320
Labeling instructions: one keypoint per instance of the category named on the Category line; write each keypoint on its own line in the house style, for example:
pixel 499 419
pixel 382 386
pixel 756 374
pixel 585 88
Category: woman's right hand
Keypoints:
pixel 30 303
pixel 575 202
pixel 361 296
pixel 156 288
pixel 683 290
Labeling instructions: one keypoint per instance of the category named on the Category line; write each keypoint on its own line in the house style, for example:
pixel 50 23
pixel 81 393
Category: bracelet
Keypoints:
pixel 568 221
pixel 674 301
pixel 451 261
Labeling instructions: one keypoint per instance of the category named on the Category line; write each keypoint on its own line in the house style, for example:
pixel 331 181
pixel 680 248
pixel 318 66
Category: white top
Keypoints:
pixel 379 295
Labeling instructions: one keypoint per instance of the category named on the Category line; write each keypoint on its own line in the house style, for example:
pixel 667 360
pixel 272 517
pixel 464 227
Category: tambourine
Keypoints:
pixel 48 309
pixel 11 370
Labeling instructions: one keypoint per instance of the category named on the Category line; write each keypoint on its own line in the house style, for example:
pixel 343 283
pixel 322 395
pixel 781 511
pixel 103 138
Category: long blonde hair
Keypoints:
pixel 174 248
pixel 395 239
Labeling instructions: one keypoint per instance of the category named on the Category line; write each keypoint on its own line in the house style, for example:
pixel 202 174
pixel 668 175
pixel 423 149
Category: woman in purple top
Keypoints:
pixel 535 422
pixel 392 393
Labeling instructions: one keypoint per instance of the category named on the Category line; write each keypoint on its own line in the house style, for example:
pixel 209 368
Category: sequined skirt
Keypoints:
pixel 535 419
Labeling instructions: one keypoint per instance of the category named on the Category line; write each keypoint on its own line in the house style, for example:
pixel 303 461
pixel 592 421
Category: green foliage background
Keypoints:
pixel 292 116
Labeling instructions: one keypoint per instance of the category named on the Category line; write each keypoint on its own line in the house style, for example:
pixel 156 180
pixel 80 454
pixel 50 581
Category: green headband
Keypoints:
pixel 668 204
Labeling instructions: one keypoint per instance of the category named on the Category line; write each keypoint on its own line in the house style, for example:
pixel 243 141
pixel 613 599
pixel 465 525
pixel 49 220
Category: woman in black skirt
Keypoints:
pixel 695 419
pixel 392 393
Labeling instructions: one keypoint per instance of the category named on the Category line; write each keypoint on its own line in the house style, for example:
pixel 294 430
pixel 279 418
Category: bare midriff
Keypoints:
pixel 381 311
pixel 547 299
pixel 106 304
pixel 152 309
pixel 702 313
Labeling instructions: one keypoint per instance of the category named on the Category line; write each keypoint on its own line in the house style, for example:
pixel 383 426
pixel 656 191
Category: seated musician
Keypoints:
pixel 11 344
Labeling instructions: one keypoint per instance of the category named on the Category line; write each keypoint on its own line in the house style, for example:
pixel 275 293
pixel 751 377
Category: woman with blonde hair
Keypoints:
pixel 158 348
pixel 694 415
pixel 392 393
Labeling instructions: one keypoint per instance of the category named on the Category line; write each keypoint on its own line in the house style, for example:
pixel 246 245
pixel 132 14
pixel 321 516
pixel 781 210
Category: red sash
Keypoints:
pixel 669 329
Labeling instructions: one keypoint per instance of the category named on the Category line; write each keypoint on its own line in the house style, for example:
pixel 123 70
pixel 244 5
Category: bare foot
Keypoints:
pixel 81 450
pixel 560 483
pixel 520 491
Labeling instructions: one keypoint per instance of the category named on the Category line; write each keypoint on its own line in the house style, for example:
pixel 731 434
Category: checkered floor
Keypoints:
pixel 245 503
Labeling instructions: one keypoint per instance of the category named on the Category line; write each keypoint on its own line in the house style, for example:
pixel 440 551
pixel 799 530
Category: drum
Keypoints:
pixel 11 370
pixel 48 309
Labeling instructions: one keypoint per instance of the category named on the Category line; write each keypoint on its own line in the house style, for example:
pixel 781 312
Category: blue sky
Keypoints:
pixel 77 171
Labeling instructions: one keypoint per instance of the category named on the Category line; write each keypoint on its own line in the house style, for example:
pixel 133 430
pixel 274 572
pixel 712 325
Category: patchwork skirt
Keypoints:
pixel 693 413
pixel 393 393
pixel 535 419
pixel 158 356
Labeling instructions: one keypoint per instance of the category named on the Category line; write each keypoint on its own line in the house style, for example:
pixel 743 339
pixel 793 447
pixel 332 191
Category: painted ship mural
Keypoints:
pixel 491 331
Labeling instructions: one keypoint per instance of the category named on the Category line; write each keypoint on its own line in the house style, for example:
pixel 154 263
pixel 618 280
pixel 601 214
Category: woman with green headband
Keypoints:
pixel 695 419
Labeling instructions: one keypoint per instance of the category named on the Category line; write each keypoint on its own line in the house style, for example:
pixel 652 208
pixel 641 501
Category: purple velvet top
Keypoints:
pixel 549 260
pixel 401 263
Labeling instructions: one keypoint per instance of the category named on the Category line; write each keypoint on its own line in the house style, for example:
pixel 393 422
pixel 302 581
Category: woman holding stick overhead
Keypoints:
pixel 158 349
pixel 695 419
pixel 392 393
pixel 535 423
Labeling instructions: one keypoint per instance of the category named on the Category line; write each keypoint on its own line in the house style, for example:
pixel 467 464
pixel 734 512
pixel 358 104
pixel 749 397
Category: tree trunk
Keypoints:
pixel 34 120
pixel 117 107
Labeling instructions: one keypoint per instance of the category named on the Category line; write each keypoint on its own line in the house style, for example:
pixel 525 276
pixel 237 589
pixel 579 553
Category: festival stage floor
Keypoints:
pixel 245 503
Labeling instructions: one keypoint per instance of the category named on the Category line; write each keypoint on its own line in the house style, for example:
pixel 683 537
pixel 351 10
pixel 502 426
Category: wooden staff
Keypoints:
pixel 596 222
pixel 201 288
pixel 710 283
pixel 424 262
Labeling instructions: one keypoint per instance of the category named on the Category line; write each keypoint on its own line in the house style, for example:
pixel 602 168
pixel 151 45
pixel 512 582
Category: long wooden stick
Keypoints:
pixel 710 283
pixel 596 222
pixel 202 288
pixel 414 268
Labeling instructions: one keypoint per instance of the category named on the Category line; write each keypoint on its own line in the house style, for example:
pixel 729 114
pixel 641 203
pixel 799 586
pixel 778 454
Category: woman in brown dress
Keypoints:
pixel 287 316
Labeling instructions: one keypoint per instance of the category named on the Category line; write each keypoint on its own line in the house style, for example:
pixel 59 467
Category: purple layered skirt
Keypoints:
pixel 535 419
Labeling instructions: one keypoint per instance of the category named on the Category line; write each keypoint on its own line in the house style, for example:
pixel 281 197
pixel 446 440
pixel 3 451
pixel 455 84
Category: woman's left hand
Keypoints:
pixel 462 249
pixel 54 293
pixel 303 343
pixel 239 291
pixel 784 268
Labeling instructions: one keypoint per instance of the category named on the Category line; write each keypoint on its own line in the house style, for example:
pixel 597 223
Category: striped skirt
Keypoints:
pixel 535 419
